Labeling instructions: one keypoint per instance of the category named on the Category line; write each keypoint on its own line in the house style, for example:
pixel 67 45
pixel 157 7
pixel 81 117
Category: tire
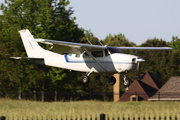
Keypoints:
pixel 126 83
pixel 112 80
pixel 85 79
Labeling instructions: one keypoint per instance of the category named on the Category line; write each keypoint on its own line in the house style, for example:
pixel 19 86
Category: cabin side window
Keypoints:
pixel 77 55
pixel 85 55
pixel 97 53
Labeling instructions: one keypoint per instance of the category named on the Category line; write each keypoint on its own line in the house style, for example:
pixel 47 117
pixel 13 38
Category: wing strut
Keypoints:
pixel 95 59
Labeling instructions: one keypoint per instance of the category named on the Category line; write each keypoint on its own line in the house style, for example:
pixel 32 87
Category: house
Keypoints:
pixel 169 91
pixel 143 89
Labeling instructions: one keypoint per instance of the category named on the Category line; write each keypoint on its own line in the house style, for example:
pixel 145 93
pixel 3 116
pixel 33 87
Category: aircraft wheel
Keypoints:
pixel 126 83
pixel 112 80
pixel 85 79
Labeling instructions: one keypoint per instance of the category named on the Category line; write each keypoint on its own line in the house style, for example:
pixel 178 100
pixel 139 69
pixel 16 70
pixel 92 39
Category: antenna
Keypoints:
pixel 100 42
pixel 89 41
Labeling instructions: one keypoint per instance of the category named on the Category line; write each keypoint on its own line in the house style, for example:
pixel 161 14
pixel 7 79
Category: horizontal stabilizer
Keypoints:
pixel 27 58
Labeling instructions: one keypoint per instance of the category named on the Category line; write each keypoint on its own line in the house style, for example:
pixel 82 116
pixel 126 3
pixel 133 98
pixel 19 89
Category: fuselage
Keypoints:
pixel 85 57
pixel 114 63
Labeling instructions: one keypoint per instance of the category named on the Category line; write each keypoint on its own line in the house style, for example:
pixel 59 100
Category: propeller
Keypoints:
pixel 137 70
pixel 138 67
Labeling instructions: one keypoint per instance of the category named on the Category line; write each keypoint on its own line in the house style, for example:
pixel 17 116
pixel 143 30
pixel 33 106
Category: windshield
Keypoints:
pixel 114 50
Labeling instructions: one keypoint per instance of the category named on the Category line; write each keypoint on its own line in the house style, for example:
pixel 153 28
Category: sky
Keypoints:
pixel 138 20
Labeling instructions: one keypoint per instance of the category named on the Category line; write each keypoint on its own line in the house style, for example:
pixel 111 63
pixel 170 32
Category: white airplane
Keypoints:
pixel 83 57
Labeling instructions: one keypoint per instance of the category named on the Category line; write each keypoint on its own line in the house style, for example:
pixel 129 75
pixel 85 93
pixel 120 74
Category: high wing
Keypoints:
pixel 145 48
pixel 78 48
pixel 70 47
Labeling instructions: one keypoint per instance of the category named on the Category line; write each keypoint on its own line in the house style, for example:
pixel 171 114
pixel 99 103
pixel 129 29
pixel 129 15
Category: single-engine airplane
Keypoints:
pixel 83 57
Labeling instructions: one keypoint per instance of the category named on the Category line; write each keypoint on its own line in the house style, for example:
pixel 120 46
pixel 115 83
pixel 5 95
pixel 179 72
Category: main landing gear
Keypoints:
pixel 111 80
pixel 85 79
pixel 126 82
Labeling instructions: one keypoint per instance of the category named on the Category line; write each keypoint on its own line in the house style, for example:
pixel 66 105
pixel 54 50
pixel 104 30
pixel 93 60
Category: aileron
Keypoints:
pixel 145 48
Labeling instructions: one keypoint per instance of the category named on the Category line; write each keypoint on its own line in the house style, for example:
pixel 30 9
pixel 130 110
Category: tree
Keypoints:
pixel 13 73
pixel 48 19
pixel 175 43
pixel 160 62
pixel 118 40
pixel 57 76
pixel 45 18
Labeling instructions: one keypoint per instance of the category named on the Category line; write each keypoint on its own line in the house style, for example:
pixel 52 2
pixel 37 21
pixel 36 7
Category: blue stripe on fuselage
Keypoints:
pixel 66 58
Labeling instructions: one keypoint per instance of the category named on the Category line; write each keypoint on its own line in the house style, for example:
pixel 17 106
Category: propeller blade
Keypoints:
pixel 137 70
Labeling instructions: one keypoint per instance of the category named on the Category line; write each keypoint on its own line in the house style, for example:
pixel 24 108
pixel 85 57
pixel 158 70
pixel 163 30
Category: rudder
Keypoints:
pixel 33 49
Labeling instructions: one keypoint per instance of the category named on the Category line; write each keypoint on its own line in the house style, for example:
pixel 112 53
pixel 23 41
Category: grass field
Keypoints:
pixel 18 109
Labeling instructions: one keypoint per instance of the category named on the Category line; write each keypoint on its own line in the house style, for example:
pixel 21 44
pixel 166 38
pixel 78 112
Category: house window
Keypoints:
pixel 133 98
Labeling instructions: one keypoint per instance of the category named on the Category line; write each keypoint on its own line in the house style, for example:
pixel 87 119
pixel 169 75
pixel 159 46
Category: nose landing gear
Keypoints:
pixel 126 82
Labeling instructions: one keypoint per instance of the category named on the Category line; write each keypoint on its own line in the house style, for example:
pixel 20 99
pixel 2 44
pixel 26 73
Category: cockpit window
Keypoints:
pixel 107 52
pixel 97 53
pixel 114 50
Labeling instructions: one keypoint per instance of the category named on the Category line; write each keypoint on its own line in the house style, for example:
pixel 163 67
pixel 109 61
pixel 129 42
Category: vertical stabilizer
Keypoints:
pixel 33 49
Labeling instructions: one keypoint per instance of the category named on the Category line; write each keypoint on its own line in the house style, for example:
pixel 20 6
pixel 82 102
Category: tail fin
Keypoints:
pixel 32 47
